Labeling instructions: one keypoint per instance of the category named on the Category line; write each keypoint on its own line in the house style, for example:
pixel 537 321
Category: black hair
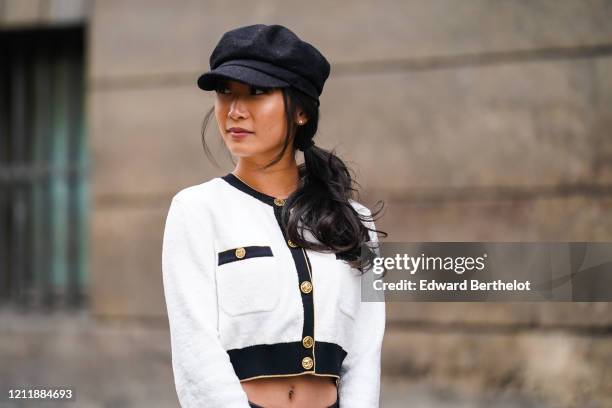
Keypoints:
pixel 321 202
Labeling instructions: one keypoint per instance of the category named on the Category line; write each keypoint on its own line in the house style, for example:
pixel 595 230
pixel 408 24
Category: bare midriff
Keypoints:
pixel 300 391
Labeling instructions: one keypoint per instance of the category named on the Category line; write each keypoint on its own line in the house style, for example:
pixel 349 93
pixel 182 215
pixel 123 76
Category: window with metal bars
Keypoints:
pixel 43 169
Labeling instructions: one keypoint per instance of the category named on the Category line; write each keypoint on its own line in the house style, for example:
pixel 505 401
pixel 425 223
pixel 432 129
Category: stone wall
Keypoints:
pixel 472 120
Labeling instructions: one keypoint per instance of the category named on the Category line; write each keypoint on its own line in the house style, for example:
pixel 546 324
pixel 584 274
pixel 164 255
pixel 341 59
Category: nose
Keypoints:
pixel 237 108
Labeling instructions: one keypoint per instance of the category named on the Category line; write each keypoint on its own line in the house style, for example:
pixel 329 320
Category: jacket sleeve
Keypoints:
pixel 359 384
pixel 203 374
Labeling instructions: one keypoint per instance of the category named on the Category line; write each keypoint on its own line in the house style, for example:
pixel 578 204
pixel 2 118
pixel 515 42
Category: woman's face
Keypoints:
pixel 259 111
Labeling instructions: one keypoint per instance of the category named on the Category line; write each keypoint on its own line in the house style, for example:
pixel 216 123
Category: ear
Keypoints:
pixel 301 117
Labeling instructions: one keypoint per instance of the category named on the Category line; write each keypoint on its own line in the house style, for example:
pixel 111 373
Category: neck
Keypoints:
pixel 279 180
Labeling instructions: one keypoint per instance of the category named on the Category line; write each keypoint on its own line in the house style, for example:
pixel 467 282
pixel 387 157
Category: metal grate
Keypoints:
pixel 43 168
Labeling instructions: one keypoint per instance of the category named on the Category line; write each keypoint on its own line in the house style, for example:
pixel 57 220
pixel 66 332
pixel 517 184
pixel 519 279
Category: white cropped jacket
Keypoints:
pixel 244 303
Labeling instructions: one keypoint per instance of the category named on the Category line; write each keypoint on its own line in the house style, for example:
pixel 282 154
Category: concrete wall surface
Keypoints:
pixel 473 120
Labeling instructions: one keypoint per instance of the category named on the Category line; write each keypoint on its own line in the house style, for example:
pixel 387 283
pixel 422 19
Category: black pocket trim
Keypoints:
pixel 249 252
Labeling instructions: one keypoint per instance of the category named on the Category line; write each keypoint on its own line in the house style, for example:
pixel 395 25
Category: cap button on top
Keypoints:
pixel 240 252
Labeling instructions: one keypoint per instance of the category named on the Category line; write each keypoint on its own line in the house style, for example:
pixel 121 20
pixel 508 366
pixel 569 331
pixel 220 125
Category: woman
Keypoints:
pixel 262 267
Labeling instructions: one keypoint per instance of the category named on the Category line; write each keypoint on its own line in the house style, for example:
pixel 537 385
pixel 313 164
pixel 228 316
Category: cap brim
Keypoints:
pixel 239 73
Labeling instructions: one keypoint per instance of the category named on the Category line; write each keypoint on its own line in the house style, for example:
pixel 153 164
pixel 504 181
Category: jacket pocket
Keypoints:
pixel 247 280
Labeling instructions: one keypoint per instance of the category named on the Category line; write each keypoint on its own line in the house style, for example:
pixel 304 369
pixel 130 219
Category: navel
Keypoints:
pixel 291 392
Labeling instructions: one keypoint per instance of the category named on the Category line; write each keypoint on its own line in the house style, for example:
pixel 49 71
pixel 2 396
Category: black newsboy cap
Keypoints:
pixel 267 56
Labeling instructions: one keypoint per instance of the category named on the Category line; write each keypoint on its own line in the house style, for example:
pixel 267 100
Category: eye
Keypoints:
pixel 221 89
pixel 255 89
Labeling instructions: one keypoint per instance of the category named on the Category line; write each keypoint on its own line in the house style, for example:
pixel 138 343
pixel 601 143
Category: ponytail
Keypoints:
pixel 321 204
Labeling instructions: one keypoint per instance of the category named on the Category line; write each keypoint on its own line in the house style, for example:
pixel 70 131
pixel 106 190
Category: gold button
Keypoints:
pixel 240 252
pixel 291 244
pixel 279 201
pixel 307 363
pixel 307 342
pixel 306 287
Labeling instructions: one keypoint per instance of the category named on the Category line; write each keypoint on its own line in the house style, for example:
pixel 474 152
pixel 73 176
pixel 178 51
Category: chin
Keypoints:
pixel 240 150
